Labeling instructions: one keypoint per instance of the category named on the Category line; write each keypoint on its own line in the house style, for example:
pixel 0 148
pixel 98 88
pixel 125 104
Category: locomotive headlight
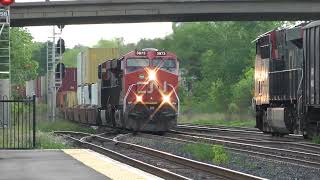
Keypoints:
pixel 138 98
pixel 166 98
pixel 152 75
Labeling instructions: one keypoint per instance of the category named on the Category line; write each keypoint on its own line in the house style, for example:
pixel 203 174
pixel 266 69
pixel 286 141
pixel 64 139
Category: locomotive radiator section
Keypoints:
pixel 312 78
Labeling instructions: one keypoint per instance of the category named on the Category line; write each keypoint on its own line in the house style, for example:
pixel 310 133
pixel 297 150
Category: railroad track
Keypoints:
pixel 162 164
pixel 300 154
pixel 247 133
pixel 221 127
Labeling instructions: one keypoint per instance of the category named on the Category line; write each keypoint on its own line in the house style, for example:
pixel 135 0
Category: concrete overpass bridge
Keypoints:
pixel 125 11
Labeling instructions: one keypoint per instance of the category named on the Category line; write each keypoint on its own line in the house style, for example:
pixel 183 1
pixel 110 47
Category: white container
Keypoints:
pixel 79 69
pixel 30 88
pixel 86 95
pixel 94 94
pixel 79 96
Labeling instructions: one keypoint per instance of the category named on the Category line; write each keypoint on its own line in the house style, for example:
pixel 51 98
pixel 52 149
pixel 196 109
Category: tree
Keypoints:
pixel 39 54
pixel 23 67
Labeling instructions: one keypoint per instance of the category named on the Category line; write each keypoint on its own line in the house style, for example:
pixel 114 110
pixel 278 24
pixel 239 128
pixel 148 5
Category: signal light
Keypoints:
pixel 60 70
pixel 60 44
pixel 6 2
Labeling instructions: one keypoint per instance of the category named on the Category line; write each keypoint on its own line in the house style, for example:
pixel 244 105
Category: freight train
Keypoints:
pixel 138 91
pixel 287 81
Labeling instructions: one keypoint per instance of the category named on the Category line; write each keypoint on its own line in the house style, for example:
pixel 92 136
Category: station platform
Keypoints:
pixel 80 164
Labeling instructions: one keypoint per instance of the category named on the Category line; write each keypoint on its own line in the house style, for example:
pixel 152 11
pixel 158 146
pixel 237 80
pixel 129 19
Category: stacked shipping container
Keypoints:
pixel 37 87
pixel 87 71
pixel 67 93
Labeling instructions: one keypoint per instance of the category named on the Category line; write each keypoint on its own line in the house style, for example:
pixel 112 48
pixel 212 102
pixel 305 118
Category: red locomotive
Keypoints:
pixel 139 91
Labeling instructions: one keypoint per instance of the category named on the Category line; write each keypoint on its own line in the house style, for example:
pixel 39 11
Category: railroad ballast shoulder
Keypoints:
pixel 287 80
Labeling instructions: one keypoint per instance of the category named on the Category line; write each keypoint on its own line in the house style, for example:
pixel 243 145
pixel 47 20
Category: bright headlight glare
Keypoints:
pixel 138 98
pixel 152 75
pixel 166 99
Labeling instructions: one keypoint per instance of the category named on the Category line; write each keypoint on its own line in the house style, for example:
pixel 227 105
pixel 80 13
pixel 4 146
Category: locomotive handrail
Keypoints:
pixel 126 96
pixel 289 70
pixel 175 93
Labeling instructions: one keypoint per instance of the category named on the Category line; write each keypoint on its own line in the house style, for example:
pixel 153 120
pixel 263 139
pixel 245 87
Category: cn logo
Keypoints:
pixel 6 2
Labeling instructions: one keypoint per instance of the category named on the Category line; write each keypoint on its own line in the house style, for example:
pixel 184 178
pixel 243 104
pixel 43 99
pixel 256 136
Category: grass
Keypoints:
pixel 232 123
pixel 62 125
pixel 316 139
pixel 206 152
pixel 49 141
pixel 216 120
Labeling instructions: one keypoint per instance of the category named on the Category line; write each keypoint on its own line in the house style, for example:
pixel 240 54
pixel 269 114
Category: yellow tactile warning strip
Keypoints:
pixel 107 166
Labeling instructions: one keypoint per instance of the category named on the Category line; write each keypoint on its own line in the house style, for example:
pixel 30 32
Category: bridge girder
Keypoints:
pixel 127 11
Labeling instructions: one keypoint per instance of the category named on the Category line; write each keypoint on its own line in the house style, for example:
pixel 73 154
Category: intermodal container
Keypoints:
pixel 79 96
pixel 66 99
pixel 69 82
pixel 94 94
pixel 86 94
pixel 88 61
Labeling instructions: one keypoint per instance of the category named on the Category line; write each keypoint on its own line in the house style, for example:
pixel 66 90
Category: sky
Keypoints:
pixel 90 34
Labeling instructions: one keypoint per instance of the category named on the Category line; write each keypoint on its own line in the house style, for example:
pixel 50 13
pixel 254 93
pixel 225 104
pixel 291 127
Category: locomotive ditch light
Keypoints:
pixel 166 98
pixel 138 98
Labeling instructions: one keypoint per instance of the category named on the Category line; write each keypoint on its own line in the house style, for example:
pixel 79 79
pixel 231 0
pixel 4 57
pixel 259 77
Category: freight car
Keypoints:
pixel 287 81
pixel 138 91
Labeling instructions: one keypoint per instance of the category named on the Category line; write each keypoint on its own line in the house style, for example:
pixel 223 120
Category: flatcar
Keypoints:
pixel 139 91
pixel 287 81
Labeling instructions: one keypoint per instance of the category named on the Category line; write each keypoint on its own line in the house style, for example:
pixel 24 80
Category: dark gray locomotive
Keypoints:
pixel 287 81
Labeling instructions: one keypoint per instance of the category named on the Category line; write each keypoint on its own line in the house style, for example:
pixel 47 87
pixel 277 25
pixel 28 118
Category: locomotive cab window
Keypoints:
pixel 165 64
pixel 136 64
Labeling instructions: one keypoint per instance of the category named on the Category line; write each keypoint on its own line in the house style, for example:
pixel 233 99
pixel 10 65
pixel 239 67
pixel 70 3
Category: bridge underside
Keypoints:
pixel 125 11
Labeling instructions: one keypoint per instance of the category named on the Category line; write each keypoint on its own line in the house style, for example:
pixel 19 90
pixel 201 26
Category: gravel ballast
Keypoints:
pixel 242 162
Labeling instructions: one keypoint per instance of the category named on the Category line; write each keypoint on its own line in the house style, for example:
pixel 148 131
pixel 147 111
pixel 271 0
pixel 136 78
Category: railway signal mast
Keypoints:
pixel 55 70
pixel 5 65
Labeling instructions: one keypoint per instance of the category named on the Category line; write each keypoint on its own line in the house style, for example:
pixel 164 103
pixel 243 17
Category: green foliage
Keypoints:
pixel 232 123
pixel 316 139
pixel 39 54
pixel 242 91
pixel 200 151
pixel 206 152
pixel 102 43
pixel 50 141
pixel 23 66
pixel 62 125
pixel 220 156
pixel 70 56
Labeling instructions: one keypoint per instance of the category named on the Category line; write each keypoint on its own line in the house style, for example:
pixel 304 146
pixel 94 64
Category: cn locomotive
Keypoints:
pixel 287 81
pixel 139 91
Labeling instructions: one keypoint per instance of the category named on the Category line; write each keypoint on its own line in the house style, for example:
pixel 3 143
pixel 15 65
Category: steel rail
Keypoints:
pixel 259 154
pixel 212 169
pixel 120 157
pixel 304 157
pixel 302 147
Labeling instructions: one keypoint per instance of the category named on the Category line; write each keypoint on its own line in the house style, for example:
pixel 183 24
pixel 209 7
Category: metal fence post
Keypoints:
pixel 34 120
